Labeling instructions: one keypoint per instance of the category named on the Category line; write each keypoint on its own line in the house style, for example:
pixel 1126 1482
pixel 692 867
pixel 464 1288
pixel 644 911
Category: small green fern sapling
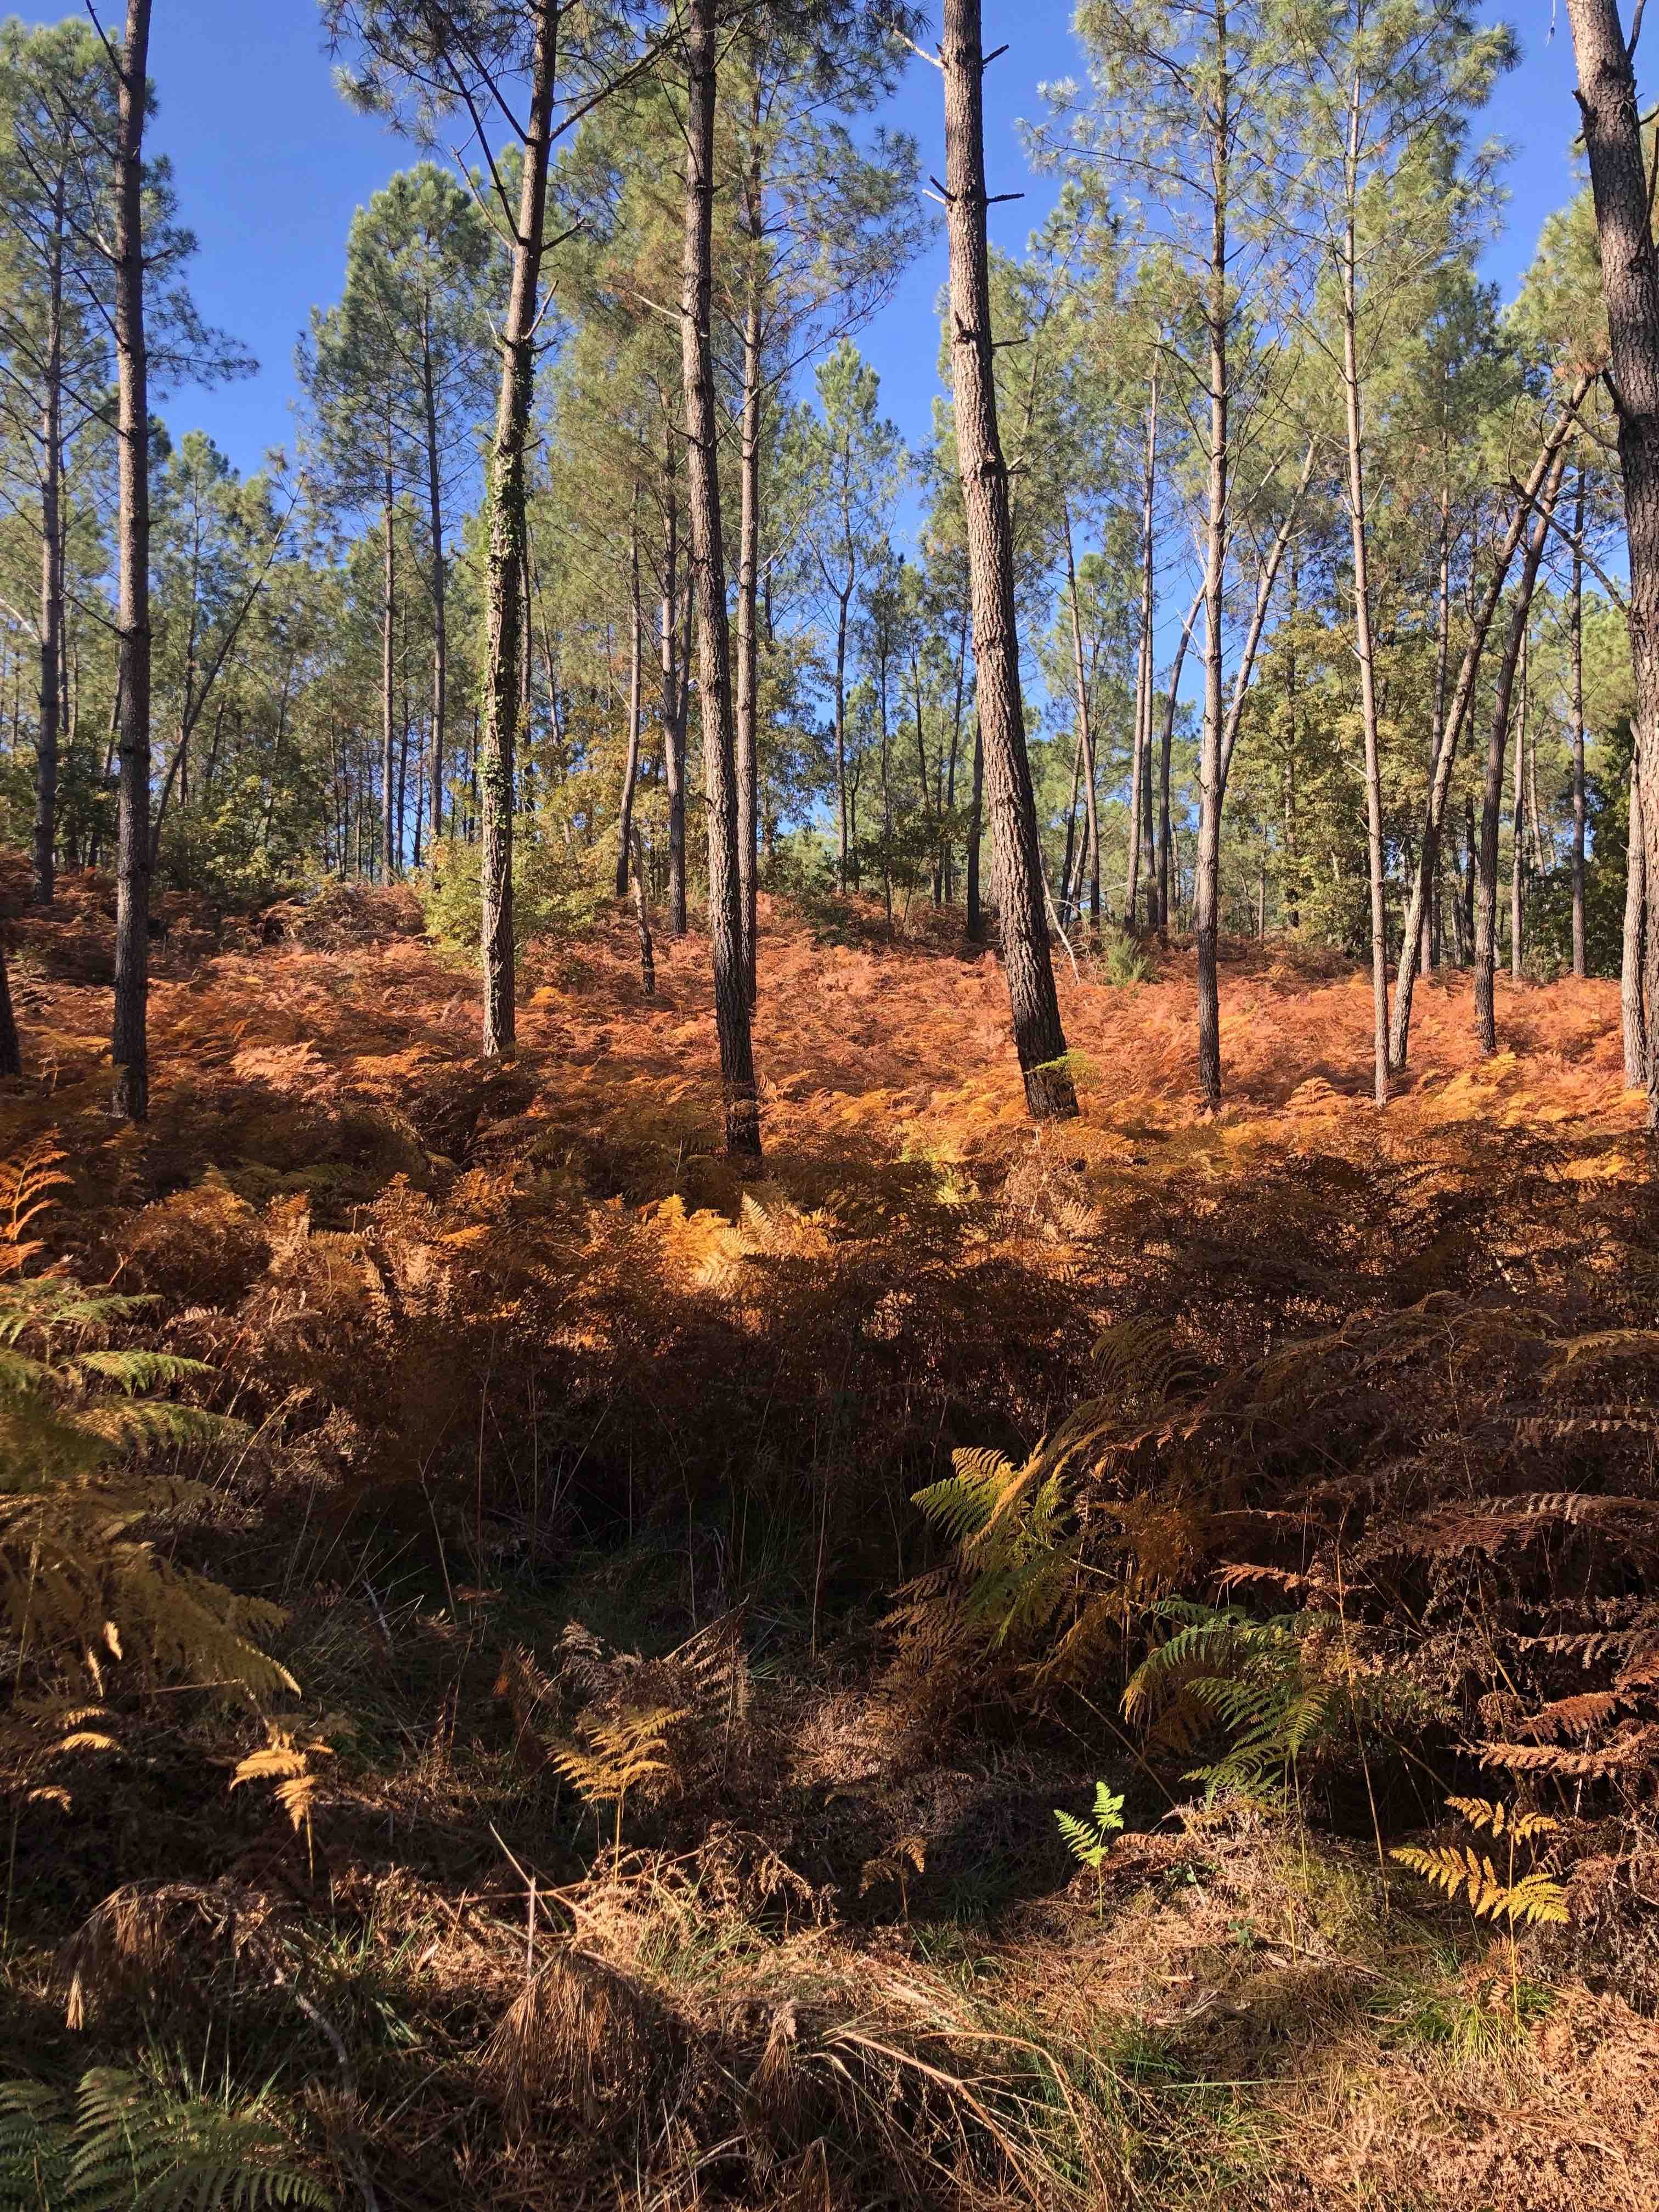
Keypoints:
pixel 1089 1839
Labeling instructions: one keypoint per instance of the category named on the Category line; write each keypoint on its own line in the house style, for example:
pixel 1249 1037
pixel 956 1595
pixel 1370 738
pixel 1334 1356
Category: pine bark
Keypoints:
pixel 1206 871
pixel 748 761
pixel 1576 709
pixel 507 616
pixel 1166 749
pixel 1633 974
pixel 674 696
pixel 1038 1037
pixel 440 611
pixel 52 572
pixel 1359 539
pixel 1518 823
pixel 388 674
pixel 1630 284
pixel 743 1133
pixel 974 912
pixel 130 1039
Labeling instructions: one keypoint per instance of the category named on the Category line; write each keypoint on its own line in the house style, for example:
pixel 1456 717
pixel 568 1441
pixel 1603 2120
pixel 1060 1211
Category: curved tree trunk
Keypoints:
pixel 743 1135
pixel 1038 1037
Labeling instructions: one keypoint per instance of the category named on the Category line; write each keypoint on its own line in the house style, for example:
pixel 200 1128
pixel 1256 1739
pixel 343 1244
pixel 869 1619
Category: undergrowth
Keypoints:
pixel 529 1733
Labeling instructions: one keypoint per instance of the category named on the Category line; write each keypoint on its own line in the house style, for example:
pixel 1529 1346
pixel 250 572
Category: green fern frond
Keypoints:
pixel 123 2145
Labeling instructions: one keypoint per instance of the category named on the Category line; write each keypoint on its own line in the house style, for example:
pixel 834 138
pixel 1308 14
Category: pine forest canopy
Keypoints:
pixel 1262 573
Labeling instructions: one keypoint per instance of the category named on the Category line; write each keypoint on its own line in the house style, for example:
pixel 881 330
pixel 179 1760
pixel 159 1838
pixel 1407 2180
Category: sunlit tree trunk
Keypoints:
pixel 1517 816
pixel 1038 1037
pixel 1576 709
pixel 129 1040
pixel 388 666
pixel 1165 842
pixel 749 524
pixel 975 917
pixel 742 1135
pixel 51 570
pixel 439 611
pixel 1630 284
pixel 507 615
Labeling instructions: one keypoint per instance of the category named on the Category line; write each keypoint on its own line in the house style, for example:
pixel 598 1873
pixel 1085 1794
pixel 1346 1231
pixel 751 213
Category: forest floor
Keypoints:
pixel 637 1865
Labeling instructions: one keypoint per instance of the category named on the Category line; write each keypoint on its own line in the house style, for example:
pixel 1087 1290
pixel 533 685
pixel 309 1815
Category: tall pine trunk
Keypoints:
pixel 507 616
pixel 1038 1037
pixel 743 1135
pixel 1141 791
pixel 748 760
pixel 1492 792
pixel 51 571
pixel 1359 539
pixel 1206 868
pixel 1425 947
pixel 1630 285
pixel 388 671
pixel 1576 708
pixel 130 1039
pixel 440 612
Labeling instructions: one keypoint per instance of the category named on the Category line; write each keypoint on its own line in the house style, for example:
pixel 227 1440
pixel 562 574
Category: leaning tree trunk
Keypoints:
pixel 1038 1037
pixel 1462 699
pixel 1492 794
pixel 1632 974
pixel 507 615
pixel 129 1040
pixel 1630 285
pixel 743 1133
pixel 1576 706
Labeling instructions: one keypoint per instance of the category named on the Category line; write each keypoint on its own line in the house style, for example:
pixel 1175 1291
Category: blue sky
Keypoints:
pixel 270 165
